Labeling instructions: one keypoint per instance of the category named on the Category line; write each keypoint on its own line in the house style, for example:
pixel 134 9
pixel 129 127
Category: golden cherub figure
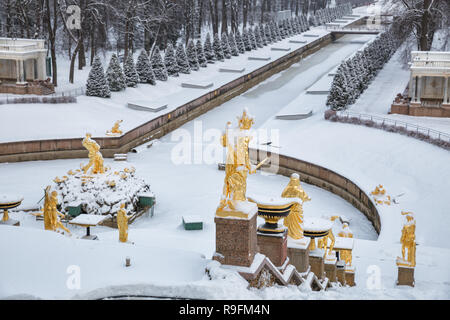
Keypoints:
pixel 122 223
pixel 50 212
pixel 115 129
pixel 95 157
pixel 237 165
pixel 408 240
pixel 294 220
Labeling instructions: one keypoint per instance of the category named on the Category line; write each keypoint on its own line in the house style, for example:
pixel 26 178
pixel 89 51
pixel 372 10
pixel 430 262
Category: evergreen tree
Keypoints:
pixel 144 69
pixel 233 45
pixel 201 55
pixel 262 35
pixel 239 42
pixel 251 37
pixel 191 53
pixel 268 34
pixel 114 75
pixel 208 49
pixel 131 76
pixel 258 40
pixel 158 66
pixel 182 59
pixel 338 97
pixel 247 41
pixel 96 84
pixel 225 46
pixel 170 61
pixel 217 47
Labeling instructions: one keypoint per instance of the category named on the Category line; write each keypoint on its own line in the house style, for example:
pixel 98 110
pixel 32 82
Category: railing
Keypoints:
pixel 397 125
pixel 364 28
pixel 69 93
pixel 429 55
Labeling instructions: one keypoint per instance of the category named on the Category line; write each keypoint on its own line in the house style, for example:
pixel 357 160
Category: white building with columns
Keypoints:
pixel 429 83
pixel 22 60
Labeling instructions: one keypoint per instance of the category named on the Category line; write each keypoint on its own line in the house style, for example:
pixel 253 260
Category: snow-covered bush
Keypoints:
pixel 96 84
pixel 131 76
pixel 233 45
pixel 171 62
pixel 201 55
pixel 225 46
pixel 239 42
pixel 182 59
pixel 217 47
pixel 191 53
pixel 208 49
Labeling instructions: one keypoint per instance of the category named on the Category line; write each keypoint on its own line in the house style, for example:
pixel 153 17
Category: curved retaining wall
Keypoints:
pixel 326 179
pixel 158 127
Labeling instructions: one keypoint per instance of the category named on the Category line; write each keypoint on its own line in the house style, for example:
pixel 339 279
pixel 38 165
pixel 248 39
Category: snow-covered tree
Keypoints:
pixel 144 69
pixel 225 46
pixel 258 40
pixel 191 53
pixel 182 59
pixel 233 45
pixel 268 34
pixel 170 61
pixel 217 47
pixel 114 75
pixel 239 41
pixel 96 84
pixel 252 39
pixel 201 54
pixel 158 66
pixel 208 49
pixel 262 35
pixel 129 69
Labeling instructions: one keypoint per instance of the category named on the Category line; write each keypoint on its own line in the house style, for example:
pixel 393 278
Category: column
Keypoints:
pixel 412 88
pixel 18 71
pixel 419 88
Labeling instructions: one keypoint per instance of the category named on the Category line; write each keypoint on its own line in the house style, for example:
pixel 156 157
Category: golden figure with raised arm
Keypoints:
pixel 115 129
pixel 408 240
pixel 294 220
pixel 122 223
pixel 95 157
pixel 51 213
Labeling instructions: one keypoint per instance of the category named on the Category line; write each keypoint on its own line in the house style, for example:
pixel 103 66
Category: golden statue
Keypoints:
pixel 408 240
pixel 115 129
pixel 294 220
pixel 122 223
pixel 95 157
pixel 345 255
pixel 237 165
pixel 323 242
pixel 50 212
pixel 345 232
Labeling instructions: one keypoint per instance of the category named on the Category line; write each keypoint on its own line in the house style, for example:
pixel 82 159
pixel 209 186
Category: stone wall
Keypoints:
pixel 326 179
pixel 420 111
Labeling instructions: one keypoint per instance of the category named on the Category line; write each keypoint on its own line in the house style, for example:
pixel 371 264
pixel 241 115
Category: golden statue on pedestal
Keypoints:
pixel 122 223
pixel 95 157
pixel 115 131
pixel 345 255
pixel 50 212
pixel 294 220
pixel 408 240
pixel 237 165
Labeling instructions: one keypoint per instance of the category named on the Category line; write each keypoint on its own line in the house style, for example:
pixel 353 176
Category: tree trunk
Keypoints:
pixel 224 17
pixel 424 43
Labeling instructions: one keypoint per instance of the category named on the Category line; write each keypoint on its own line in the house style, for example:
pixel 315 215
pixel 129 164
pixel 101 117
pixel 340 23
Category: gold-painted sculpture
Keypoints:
pixel 345 232
pixel 346 255
pixel 408 240
pixel 323 242
pixel 294 221
pixel 122 223
pixel 237 166
pixel 379 195
pixel 115 129
pixel 50 212
pixel 95 157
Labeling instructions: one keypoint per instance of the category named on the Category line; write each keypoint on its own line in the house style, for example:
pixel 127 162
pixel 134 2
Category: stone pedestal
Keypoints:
pixel 340 272
pixel 316 263
pixel 273 246
pixel 330 269
pixel 10 222
pixel 350 276
pixel 236 242
pixel 405 276
pixel 298 253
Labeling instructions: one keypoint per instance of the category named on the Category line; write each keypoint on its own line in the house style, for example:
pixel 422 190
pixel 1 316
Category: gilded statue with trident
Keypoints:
pixel 95 157
pixel 237 165
pixel 51 213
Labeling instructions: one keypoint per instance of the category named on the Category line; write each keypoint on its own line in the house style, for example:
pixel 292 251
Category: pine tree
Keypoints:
pixel 225 46
pixel 338 97
pixel 191 53
pixel 201 55
pixel 262 35
pixel 268 34
pixel 182 59
pixel 131 76
pixel 170 61
pixel 144 69
pixel 233 45
pixel 96 84
pixel 281 30
pixel 208 49
pixel 217 47
pixel 251 36
pixel 239 41
pixel 158 66
pixel 247 41
pixel 258 40
pixel 114 75
pixel 275 32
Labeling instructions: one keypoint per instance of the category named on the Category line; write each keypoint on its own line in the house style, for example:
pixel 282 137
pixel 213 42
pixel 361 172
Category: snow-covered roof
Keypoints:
pixel 430 62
